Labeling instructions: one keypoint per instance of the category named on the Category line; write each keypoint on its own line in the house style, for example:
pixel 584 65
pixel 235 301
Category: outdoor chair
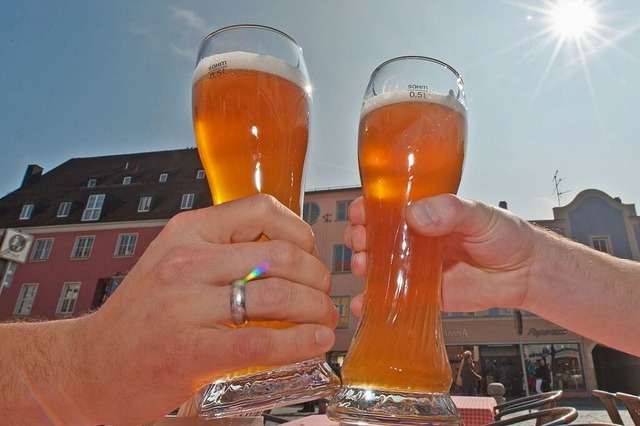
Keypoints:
pixel 548 417
pixel 593 424
pixel 609 401
pixel 539 401
pixel 632 402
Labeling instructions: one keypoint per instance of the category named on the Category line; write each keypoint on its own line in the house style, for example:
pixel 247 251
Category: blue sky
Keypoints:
pixel 90 78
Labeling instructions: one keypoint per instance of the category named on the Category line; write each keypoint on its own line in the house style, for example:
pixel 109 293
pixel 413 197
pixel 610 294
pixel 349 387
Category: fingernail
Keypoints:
pixel 324 337
pixel 422 213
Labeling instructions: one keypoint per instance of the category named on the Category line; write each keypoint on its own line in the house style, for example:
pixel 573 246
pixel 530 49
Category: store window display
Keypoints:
pixel 564 363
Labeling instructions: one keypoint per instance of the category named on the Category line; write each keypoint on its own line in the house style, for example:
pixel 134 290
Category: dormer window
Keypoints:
pixel 200 174
pixel 144 205
pixel 163 177
pixel 187 201
pixel 94 208
pixel 27 211
pixel 126 180
pixel 64 209
pixel 91 183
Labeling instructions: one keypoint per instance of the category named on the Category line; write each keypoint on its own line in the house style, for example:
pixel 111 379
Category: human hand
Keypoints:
pixel 166 331
pixel 488 251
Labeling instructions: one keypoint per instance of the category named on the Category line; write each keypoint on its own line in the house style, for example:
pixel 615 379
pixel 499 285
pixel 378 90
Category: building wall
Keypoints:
pixel 595 217
pixel 329 231
pixel 59 268
pixel 593 213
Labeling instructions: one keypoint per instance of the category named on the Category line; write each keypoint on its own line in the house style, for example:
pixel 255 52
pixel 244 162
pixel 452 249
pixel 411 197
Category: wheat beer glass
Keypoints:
pixel 411 145
pixel 251 112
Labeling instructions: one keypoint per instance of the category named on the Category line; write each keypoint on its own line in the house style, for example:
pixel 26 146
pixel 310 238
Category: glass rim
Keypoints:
pixel 246 26
pixel 421 58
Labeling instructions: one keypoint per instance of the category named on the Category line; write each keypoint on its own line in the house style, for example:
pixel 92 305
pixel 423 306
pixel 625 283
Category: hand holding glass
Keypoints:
pixel 411 145
pixel 251 114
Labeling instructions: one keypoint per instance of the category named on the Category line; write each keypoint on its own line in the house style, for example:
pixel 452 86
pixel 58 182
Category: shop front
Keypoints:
pixel 544 357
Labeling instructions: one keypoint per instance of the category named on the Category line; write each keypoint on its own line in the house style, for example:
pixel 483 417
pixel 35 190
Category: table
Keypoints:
pixel 474 410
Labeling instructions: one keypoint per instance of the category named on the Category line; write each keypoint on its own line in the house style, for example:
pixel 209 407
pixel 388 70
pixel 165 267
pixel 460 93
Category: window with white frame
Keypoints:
pixel 163 177
pixel 145 204
pixel 91 183
pixel 126 245
pixel 310 212
pixel 187 201
pixel 25 299
pixel 342 207
pixel 126 180
pixel 341 258
pixel 601 243
pixel 82 247
pixel 343 304
pixel 68 298
pixel 200 174
pixel 41 248
pixel 64 209
pixel 94 207
pixel 26 212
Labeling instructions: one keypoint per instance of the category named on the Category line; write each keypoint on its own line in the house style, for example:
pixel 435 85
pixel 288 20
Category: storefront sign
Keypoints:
pixel 546 332
pixel 456 333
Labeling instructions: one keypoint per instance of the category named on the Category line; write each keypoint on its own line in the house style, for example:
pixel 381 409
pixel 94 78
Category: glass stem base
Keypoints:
pixel 357 406
pixel 290 384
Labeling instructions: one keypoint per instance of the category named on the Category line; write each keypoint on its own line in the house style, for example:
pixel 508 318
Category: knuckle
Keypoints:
pixel 265 203
pixel 178 223
pixel 174 264
pixel 284 253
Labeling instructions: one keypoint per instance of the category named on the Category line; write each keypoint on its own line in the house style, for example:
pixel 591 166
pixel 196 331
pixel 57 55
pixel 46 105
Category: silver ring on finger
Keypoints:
pixel 238 311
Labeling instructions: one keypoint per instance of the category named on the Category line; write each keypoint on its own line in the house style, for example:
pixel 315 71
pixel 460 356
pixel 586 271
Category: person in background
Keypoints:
pixel 470 377
pixel 167 330
pixel 546 375
pixel 495 259
pixel 538 377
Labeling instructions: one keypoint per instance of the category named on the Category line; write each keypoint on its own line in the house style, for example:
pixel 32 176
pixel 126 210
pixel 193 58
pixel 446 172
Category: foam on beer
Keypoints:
pixel 402 96
pixel 254 62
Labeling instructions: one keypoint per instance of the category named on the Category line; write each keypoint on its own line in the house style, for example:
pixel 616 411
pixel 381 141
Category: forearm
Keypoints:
pixel 39 379
pixel 589 292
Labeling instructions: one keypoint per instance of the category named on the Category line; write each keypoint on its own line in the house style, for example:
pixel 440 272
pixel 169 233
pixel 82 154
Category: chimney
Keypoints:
pixel 503 205
pixel 32 175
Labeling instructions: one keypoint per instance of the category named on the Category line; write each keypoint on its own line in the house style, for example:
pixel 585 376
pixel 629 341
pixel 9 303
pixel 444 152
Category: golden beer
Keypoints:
pixel 251 121
pixel 411 146
pixel 251 113
pixel 252 128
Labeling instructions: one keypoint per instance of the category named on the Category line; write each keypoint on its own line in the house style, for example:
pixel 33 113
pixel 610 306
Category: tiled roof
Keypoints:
pixel 68 182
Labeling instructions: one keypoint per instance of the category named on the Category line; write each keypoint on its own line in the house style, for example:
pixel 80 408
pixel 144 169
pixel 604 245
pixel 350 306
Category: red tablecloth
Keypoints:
pixel 474 410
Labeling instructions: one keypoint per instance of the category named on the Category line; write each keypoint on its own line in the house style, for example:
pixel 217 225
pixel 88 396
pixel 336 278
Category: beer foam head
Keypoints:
pixel 403 96
pixel 254 62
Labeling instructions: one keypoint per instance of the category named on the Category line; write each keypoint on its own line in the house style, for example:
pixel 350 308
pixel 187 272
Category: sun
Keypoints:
pixel 573 19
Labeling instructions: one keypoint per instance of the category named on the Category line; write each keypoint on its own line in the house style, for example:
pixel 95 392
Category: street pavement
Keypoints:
pixel 591 410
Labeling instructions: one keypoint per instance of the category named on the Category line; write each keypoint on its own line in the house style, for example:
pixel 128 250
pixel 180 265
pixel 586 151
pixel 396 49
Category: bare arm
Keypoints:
pixel 166 331
pixel 495 259
pixel 591 293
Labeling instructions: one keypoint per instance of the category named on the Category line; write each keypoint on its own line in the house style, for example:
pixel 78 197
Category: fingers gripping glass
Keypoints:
pixel 251 103
pixel 411 145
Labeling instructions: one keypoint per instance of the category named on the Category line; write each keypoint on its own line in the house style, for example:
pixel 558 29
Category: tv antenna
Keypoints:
pixel 556 181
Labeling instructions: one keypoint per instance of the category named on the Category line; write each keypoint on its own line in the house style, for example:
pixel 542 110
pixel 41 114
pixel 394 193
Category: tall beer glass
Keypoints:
pixel 251 111
pixel 411 145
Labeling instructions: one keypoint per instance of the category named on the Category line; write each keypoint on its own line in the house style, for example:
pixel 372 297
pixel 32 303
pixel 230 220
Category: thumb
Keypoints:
pixel 447 213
